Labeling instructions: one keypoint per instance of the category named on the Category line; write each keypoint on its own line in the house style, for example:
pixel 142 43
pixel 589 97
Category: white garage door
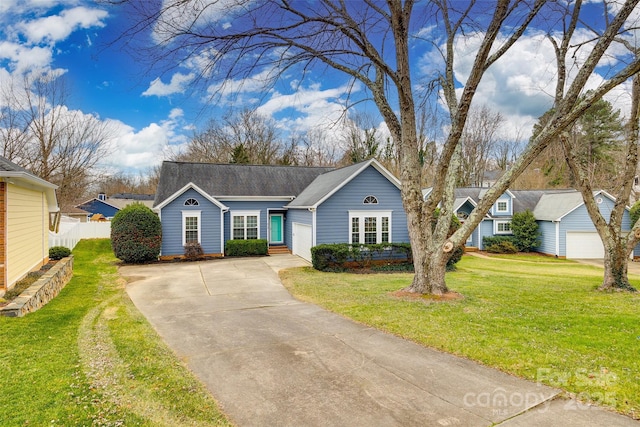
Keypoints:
pixel 585 245
pixel 302 240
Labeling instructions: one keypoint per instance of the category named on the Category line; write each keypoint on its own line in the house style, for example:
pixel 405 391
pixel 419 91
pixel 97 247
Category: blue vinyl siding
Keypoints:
pixel 579 220
pixel 332 216
pixel 258 205
pixel 484 229
pixel 504 198
pixel 547 238
pixel 172 224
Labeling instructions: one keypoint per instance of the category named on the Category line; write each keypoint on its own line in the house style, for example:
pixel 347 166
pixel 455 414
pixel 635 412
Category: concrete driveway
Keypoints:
pixel 271 360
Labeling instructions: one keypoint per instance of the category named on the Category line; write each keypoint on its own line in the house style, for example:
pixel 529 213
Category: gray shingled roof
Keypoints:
pixel 133 196
pixel 8 166
pixel 530 199
pixel 219 180
pixel 555 205
pixel 323 185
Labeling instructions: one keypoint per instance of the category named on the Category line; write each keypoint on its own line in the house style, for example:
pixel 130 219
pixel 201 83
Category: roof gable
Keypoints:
pixel 327 184
pixel 94 201
pixel 554 207
pixel 233 180
pixel 190 186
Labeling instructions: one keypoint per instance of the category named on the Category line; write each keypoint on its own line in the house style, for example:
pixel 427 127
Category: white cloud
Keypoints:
pixel 521 85
pixel 55 28
pixel 23 58
pixel 177 84
pixel 192 14
pixel 310 107
pixel 136 151
pixel 175 113
pixel 255 83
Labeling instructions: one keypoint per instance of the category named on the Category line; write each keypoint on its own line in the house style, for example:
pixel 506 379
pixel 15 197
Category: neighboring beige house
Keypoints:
pixel 28 207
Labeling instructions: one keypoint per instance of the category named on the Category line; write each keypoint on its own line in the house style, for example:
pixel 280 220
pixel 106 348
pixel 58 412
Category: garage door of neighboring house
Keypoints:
pixel 302 240
pixel 585 245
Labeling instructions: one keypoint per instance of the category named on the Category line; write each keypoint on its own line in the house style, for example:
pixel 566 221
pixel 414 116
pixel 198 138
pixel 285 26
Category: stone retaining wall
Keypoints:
pixel 42 291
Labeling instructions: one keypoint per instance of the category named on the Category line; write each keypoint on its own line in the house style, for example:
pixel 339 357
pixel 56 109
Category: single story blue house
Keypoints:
pixel 294 207
pixel 566 230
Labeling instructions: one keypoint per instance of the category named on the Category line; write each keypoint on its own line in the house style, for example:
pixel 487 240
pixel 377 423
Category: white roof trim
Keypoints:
pixel 372 162
pixel 190 186
pixel 467 199
pixel 258 198
pixel 595 194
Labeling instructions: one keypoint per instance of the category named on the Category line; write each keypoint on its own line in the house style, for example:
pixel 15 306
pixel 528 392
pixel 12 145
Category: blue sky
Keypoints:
pixel 153 112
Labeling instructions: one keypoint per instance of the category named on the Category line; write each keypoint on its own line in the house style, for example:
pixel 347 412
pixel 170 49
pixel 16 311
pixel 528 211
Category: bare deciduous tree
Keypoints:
pixel 57 144
pixel 255 135
pixel 478 141
pixel 369 42
pixel 314 148
pixel 361 139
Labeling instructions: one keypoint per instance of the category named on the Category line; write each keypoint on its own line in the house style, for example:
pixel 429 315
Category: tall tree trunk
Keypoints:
pixel 616 262
pixel 430 265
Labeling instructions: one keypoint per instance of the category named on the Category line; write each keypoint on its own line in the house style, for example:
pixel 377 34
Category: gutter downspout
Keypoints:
pixel 557 238
pixel 222 212
pixel 313 226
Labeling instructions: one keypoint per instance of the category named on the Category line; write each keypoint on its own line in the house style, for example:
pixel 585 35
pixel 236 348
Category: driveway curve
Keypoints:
pixel 271 360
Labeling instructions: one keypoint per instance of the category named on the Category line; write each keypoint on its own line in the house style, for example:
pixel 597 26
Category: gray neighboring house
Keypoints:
pixel 292 207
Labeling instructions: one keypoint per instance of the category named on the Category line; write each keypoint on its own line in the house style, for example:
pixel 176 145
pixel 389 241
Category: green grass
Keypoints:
pixel 543 322
pixel 530 257
pixel 90 358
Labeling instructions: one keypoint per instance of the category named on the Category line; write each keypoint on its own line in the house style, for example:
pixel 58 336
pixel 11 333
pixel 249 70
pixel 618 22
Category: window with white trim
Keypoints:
pixel 502 206
pixel 503 227
pixel 369 227
pixel 245 225
pixel 190 227
pixel 191 202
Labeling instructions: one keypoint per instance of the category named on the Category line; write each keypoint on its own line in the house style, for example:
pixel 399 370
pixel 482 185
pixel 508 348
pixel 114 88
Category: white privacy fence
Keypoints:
pixel 71 231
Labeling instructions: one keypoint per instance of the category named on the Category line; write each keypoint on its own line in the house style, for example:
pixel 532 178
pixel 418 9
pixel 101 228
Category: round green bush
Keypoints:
pixel 136 234
pixel 58 252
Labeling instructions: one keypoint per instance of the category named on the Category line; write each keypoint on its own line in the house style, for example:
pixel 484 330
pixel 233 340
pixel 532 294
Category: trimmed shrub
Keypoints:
pixel 504 247
pixel 246 247
pixel 326 257
pixel 493 240
pixel 136 234
pixel 525 231
pixel 58 252
pixel 338 256
pixel 193 251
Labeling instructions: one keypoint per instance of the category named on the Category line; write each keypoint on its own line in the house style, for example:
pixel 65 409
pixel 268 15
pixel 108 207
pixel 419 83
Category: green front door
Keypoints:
pixel 275 233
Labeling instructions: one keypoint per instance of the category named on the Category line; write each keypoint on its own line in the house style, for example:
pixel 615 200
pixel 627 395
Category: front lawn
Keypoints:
pixel 541 321
pixel 90 358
